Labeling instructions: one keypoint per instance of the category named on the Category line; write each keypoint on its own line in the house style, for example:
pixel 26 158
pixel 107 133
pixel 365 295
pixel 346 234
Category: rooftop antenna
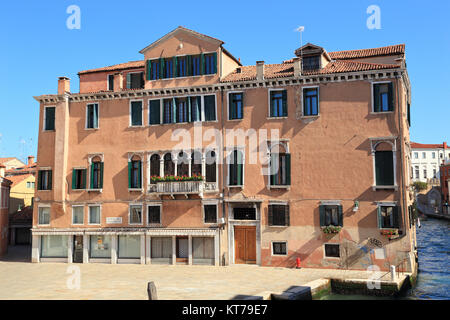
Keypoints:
pixel 300 29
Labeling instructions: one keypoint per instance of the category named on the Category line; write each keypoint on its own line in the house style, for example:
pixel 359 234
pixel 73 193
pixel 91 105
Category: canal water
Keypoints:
pixel 433 282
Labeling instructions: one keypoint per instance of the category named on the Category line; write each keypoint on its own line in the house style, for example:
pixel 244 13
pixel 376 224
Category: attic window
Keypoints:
pixel 238 70
pixel 311 62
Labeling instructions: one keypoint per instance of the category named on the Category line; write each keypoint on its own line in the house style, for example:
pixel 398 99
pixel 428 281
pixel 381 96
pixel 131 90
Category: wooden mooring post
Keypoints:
pixel 151 290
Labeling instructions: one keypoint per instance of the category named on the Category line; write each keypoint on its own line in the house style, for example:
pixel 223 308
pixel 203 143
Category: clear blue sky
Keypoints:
pixel 37 47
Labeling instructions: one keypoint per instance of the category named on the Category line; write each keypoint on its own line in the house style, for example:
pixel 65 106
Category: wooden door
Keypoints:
pixel 245 244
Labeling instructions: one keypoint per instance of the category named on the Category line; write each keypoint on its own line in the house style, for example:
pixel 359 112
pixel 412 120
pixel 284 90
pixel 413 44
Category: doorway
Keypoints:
pixel 182 250
pixel 77 249
pixel 245 244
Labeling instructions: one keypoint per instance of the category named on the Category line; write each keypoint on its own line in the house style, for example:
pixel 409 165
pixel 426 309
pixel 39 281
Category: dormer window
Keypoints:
pixel 135 80
pixel 311 63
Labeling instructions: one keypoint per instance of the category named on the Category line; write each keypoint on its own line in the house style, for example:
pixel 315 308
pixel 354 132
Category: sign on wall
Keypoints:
pixel 113 220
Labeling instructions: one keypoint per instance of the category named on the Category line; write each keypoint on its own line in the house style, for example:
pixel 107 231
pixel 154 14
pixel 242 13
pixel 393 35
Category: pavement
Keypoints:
pixel 47 281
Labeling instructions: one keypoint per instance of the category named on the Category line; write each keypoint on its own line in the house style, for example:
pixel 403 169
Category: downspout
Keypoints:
pixel 223 163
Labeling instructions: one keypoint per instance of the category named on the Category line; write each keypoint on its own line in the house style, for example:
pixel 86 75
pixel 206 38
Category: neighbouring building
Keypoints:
pixel 11 163
pixel 426 160
pixel 189 157
pixel 445 187
pixel 23 185
pixel 4 204
pixel 20 224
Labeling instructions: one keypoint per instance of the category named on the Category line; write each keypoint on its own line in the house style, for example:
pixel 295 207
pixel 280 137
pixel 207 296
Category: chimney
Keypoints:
pixel 259 70
pixel 2 170
pixel 30 160
pixel 118 82
pixel 297 67
pixel 445 145
pixel 63 85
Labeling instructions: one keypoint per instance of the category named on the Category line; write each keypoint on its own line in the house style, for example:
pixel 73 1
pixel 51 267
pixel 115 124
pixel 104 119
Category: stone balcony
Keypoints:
pixel 182 187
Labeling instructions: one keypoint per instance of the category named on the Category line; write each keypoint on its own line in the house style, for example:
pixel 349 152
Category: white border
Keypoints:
pixel 278 254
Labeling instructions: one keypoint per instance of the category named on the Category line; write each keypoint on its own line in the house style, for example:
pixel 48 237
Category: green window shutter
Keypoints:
pixel 128 80
pixel 396 212
pixel 240 168
pixel 129 174
pixel 92 176
pixel 174 110
pixel 232 107
pixel 202 63
pixel 210 108
pixel 95 115
pixel 175 62
pixel 84 174
pixel 50 118
pixel 322 215
pixel 139 174
pixel 215 62
pixel 155 110
pixel 149 69
pixel 161 68
pixel 39 180
pixel 379 217
pixel 270 215
pixel 101 175
pixel 74 181
pixel 188 103
pixel 340 216
pixel 384 168
pixel 287 215
pixel 271 104
pixel 376 98
pixel 189 65
pixel 391 96
pixel 50 180
pixel 288 169
pixel 285 108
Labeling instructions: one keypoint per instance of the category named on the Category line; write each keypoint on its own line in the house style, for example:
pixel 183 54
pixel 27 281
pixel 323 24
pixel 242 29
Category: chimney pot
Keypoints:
pixel 30 160
pixel 297 67
pixel 63 85
pixel 259 70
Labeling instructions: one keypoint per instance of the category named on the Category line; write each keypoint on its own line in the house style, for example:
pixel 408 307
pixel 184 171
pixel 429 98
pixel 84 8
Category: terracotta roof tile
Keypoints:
pixel 365 53
pixel 120 66
pixel 18 178
pixel 415 145
pixel 287 70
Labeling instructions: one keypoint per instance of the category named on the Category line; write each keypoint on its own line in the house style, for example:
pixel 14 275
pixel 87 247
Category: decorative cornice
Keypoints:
pixel 227 86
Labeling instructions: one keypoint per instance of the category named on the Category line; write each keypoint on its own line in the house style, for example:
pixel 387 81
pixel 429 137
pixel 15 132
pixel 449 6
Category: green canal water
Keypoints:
pixel 433 281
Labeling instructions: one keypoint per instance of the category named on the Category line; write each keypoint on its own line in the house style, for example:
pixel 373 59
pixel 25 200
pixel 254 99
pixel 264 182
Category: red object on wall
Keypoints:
pixel 298 263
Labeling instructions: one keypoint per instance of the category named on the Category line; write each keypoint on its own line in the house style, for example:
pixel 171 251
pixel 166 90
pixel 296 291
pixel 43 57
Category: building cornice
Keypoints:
pixel 227 86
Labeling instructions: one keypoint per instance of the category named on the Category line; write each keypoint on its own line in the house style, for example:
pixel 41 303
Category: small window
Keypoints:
pixel 135 214
pixel 45 180
pixel 433 155
pixel 210 107
pixel 383 99
pixel 77 215
pixel 44 215
pixel 154 71
pixel 332 250
pixel 244 213
pixel 311 62
pixel 135 173
pixel 196 67
pixel 154 111
pixel 181 110
pixel 135 80
pixel 384 168
pixel 331 215
pixel 181 66
pixel 196 108
pixel 210 63
pixel 235 104
pixel 78 179
pixel 416 155
pixel 425 176
pixel 235 168
pixel 97 175
pixel 278 215
pixel 279 248
pixel 210 213
pixel 168 111
pixel 310 101
pixel 136 113
pixel 280 169
pixel 168 68
pixel 49 123
pixel 416 169
pixel 94 214
pixel 154 214
pixel 111 82
pixel 424 155
pixel 278 103
pixel 92 116
pixel 388 217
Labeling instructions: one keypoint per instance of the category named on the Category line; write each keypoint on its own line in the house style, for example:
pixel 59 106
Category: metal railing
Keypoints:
pixel 179 187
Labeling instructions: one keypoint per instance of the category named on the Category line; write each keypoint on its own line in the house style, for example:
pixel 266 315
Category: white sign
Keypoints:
pixel 114 220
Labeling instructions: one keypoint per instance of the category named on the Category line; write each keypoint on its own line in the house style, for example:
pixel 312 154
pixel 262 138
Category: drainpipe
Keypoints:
pixel 223 165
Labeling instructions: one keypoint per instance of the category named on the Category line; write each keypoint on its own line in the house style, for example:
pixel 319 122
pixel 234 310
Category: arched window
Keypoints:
pixel 384 164
pixel 155 165
pixel 97 173
pixel 169 166
pixel 211 166
pixel 235 168
pixel 182 164
pixel 135 172
pixel 196 163
pixel 280 166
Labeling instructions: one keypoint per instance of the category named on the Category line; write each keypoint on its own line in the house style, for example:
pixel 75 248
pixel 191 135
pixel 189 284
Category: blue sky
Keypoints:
pixel 37 47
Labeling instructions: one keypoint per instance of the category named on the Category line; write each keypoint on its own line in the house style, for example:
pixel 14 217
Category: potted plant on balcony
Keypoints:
pixel 331 229
pixel 389 233
pixel 156 179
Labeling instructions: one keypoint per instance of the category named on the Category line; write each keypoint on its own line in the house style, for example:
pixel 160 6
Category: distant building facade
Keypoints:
pixel 4 208
pixel 445 187
pixel 11 163
pixel 426 160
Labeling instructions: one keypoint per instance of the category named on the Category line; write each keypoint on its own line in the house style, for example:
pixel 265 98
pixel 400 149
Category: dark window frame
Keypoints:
pixel 151 218
pixel 209 216
pixel 280 247
pixel 332 253
pixel 311 109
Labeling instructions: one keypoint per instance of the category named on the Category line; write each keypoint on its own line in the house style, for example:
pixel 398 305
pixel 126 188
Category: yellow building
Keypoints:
pixel 22 191
pixel 11 163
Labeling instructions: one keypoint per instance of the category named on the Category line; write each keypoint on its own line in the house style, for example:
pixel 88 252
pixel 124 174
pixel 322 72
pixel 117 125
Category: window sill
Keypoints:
pixel 381 112
pixel 49 130
pixel 136 127
pixel 135 190
pixel 91 129
pixel 230 186
pixel 155 225
pixel 240 119
pixel 277 118
pixel 272 226
pixel 375 188
pixel 310 117
pixel 94 224
pixel 280 187
pixel 95 190
pixel 43 225
pixel 44 190
pixel 78 190
pixel 279 255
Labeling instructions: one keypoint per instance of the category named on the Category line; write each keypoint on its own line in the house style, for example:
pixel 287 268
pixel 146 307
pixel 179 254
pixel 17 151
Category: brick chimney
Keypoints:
pixel 297 67
pixel 445 145
pixel 63 85
pixel 259 70
pixel 30 160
